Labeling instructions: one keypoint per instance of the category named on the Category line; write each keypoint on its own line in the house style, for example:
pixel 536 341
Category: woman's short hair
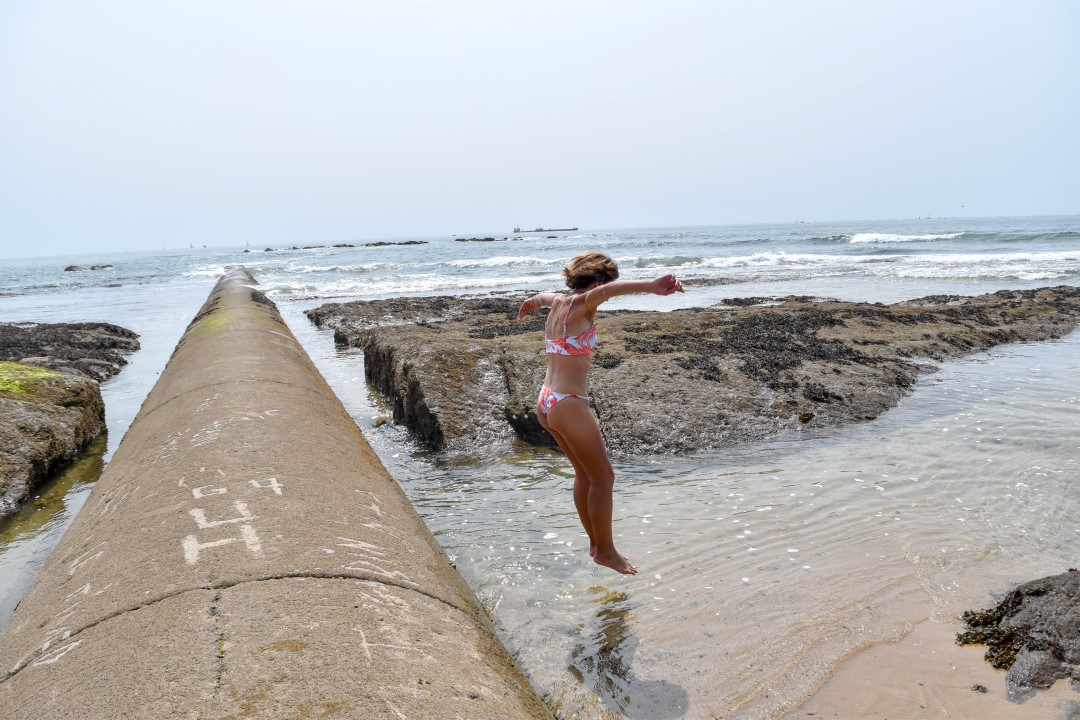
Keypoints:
pixel 590 267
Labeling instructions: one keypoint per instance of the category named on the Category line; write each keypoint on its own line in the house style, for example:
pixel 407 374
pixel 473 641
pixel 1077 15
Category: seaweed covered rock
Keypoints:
pixel 1034 632
pixel 464 373
pixel 46 419
pixel 96 350
pixel 50 402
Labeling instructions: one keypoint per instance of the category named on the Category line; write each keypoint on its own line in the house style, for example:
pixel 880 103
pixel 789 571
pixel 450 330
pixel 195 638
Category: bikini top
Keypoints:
pixel 582 344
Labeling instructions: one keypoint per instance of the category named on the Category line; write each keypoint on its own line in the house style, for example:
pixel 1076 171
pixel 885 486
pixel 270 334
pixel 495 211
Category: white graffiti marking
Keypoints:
pixel 271 483
pixel 55 655
pixel 207 434
pixel 369 556
pixel 192 547
pixel 241 507
pixel 86 557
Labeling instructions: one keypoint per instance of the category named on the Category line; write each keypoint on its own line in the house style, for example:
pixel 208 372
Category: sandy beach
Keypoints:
pixel 926 675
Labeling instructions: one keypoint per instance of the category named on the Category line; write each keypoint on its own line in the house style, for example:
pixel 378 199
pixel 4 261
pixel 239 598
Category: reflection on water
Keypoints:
pixel 27 538
pixel 602 662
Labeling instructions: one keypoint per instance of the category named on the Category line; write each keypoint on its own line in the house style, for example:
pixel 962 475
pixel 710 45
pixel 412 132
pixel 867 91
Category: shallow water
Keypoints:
pixel 27 538
pixel 760 567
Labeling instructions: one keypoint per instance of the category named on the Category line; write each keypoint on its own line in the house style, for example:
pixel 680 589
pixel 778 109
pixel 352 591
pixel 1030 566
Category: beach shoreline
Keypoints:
pixel 926 674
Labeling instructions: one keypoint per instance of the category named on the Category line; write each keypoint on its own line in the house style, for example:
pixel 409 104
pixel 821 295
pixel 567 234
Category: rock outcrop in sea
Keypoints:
pixel 50 402
pixel 80 268
pixel 464 373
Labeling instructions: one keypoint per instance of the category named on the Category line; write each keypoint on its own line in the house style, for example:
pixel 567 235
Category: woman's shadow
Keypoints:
pixel 602 661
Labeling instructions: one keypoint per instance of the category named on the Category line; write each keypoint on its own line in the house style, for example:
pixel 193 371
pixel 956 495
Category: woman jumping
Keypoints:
pixel 563 406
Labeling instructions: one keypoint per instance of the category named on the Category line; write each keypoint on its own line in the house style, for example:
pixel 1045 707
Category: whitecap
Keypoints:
pixel 898 238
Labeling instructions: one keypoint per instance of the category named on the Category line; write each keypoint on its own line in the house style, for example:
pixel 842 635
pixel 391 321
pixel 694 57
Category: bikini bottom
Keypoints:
pixel 548 398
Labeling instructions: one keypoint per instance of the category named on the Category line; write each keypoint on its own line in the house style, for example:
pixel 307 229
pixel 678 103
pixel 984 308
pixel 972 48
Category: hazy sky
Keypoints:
pixel 140 125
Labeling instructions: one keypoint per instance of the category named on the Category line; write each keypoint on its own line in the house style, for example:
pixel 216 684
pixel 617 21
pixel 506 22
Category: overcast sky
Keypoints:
pixel 142 125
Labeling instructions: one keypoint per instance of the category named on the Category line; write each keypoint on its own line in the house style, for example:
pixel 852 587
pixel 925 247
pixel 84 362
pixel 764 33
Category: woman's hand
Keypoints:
pixel 666 285
pixel 530 306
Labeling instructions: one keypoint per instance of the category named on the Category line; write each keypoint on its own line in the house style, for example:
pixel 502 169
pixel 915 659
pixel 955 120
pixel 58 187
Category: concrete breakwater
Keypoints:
pixel 245 554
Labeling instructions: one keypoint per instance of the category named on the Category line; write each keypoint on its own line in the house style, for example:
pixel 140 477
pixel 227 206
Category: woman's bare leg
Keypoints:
pixel 577 428
pixel 581 482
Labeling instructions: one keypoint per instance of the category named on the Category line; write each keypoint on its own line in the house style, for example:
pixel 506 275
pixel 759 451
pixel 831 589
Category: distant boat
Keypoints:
pixel 519 230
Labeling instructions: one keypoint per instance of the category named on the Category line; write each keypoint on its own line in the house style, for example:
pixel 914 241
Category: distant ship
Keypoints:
pixel 519 230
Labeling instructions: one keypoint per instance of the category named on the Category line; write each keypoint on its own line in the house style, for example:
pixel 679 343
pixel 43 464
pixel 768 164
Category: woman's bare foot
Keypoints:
pixel 615 561
pixel 592 548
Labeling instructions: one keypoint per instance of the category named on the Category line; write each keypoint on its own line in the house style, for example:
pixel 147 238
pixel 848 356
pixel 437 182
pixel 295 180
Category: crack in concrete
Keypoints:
pixel 219 624
pixel 225 585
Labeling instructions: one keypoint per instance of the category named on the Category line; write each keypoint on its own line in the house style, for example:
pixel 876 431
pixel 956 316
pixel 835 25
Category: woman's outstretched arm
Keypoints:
pixel 533 304
pixel 663 285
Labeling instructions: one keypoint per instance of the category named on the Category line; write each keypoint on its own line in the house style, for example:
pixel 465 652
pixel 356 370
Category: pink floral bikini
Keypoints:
pixel 583 344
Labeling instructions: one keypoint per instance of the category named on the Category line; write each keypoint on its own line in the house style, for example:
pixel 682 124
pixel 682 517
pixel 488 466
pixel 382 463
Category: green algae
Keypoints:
pixel 213 321
pixel 17 378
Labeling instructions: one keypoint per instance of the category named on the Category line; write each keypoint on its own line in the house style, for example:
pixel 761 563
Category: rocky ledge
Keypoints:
pixel 50 403
pixel 1034 633
pixel 464 373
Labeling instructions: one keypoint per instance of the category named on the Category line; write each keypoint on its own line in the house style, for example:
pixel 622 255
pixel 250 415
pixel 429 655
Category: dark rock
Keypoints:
pixel 743 302
pixel 74 268
pixel 96 350
pixel 1034 633
pixel 819 393
pixel 384 243
pixel 1035 669
pixel 50 403
pixel 464 372
pixel 101 267
pixel 46 419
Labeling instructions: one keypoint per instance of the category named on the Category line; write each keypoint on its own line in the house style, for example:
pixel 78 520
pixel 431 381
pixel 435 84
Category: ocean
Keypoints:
pixel 761 567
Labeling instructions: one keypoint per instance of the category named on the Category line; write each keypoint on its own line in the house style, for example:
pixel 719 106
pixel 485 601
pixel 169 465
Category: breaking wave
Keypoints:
pixel 897 238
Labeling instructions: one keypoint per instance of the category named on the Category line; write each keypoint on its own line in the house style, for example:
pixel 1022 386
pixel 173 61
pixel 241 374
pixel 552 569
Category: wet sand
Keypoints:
pixel 926 675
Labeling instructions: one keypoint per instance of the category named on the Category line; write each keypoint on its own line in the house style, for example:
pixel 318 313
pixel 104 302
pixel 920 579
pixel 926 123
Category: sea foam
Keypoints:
pixel 895 238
